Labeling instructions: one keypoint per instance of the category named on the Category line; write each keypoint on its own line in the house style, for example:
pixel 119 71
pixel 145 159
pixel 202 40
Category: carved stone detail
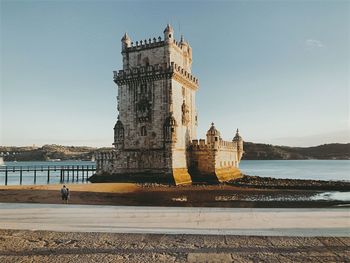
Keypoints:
pixel 185 114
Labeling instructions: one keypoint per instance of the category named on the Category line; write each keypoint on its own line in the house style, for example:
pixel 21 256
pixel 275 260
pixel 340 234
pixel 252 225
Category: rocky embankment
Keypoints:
pixel 274 183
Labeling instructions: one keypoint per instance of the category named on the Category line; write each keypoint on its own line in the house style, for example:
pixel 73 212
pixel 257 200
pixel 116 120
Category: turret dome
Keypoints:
pixel 213 131
pixel 168 28
pixel 237 136
pixel 168 34
pixel 126 37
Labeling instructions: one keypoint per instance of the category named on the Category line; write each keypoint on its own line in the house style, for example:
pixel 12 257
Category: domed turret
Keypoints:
pixel 168 33
pixel 238 141
pixel 118 134
pixel 213 131
pixel 237 136
pixel 170 128
pixel 126 41
pixel 213 136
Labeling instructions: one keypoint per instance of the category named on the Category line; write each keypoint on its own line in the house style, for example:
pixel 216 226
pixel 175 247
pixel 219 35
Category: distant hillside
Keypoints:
pixel 252 151
pixel 47 152
pixel 259 151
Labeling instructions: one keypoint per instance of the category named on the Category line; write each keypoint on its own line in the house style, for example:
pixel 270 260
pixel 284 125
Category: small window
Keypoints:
pixel 169 35
pixel 143 131
pixel 216 139
pixel 143 88
pixel 146 61
pixel 139 59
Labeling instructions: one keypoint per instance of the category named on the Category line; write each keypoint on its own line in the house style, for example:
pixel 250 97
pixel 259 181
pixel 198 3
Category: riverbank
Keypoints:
pixel 46 246
pixel 223 195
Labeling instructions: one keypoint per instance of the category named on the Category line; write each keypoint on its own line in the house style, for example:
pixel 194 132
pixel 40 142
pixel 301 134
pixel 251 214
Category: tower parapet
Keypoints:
pixel 156 50
pixel 153 72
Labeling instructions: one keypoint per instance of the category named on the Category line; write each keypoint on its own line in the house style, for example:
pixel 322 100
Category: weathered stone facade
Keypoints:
pixel 156 126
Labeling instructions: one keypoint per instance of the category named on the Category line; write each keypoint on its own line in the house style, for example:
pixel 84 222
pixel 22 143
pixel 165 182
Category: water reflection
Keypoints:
pixel 332 196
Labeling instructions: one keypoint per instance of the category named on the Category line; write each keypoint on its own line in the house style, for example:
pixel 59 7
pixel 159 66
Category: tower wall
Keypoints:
pixel 155 83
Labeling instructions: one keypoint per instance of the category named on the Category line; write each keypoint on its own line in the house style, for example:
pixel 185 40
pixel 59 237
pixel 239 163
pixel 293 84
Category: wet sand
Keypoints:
pixel 160 195
pixel 46 246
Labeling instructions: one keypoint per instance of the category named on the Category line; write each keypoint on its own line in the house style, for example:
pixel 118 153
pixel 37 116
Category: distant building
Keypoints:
pixel 155 134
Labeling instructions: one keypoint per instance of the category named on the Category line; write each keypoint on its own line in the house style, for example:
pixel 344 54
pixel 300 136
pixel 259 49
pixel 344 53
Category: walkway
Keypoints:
pixel 173 220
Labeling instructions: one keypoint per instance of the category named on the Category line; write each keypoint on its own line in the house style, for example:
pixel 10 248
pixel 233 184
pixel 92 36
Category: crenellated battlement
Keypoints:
pixel 151 43
pixel 201 144
pixel 123 76
pixel 145 44
pixel 227 145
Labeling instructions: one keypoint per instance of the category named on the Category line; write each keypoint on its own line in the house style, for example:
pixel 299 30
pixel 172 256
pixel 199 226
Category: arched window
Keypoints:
pixel 143 131
pixel 138 59
pixel 146 61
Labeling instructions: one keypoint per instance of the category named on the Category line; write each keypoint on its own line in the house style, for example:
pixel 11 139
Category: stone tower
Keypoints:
pixel 155 129
pixel 157 115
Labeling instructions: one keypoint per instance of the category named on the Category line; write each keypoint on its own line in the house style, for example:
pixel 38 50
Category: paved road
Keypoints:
pixel 173 220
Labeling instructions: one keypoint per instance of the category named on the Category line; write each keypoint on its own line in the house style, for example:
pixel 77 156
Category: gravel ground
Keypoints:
pixel 46 246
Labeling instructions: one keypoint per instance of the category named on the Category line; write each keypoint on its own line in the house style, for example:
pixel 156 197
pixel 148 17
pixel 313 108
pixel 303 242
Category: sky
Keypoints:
pixel 277 70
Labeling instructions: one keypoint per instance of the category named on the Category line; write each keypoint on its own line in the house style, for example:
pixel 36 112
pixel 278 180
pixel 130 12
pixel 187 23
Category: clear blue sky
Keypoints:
pixel 277 70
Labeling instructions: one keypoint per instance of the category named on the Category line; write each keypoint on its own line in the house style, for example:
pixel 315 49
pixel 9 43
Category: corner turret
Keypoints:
pixel 170 129
pixel 119 135
pixel 213 136
pixel 238 141
pixel 168 34
pixel 126 41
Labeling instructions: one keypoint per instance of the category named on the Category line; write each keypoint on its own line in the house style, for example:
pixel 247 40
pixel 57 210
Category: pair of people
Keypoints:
pixel 65 194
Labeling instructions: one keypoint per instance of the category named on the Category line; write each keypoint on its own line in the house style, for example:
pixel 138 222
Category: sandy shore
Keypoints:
pixel 192 195
pixel 45 246
pixel 96 188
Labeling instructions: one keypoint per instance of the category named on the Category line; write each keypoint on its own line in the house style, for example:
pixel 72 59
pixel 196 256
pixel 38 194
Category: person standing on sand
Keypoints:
pixel 65 194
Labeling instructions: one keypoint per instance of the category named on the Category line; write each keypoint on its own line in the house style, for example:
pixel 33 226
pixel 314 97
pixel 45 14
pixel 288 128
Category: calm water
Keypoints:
pixel 298 169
